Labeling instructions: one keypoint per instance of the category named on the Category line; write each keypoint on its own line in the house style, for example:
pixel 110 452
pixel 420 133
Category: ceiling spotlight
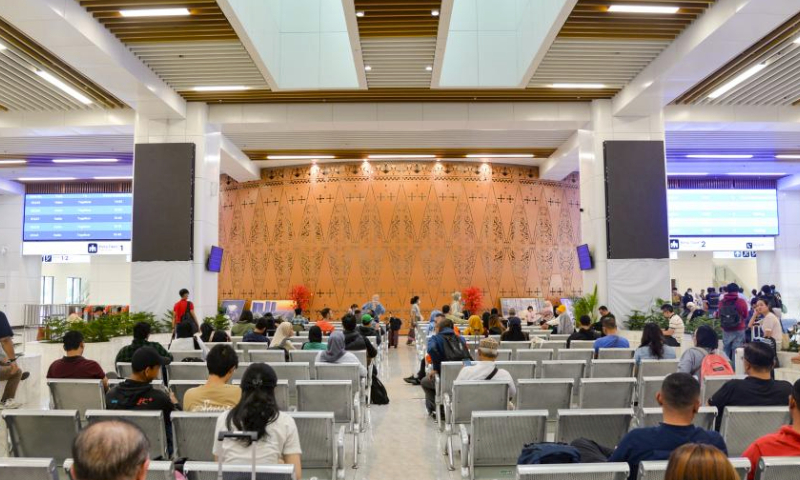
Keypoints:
pixel 360 13
pixel 578 85
pixel 721 156
pixel 429 68
pixel 53 80
pixel 642 9
pixel 85 160
pixel 13 162
pixel 797 40
pixel 46 179
pixel 156 12
pixel 737 80
pixel 435 13
pixel 367 68
pixel 298 157
pixel 221 88
pixel 2 47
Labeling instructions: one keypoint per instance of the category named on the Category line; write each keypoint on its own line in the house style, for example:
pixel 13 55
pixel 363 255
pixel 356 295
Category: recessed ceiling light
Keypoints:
pixel 45 179
pixel 128 177
pixel 757 174
pixel 642 9
pixel 367 68
pixel 500 155
pixel 85 160
pixel 389 155
pixel 435 13
pixel 797 40
pixel 221 88
pixel 428 68
pixel 12 162
pixel 50 78
pixel 788 157
pixel 299 157
pixel 156 12
pixel 715 155
pixel 737 80
pixel 2 47
pixel 578 85
pixel 360 13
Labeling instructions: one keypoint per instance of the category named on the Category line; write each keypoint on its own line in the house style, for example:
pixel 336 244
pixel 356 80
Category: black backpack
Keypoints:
pixel 729 317
pixel 453 349
pixel 378 395
pixel 395 323
pixel 548 453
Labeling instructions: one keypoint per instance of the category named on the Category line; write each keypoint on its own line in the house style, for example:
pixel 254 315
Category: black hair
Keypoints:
pixel 680 390
pixel 610 323
pixel 141 331
pixel 710 290
pixel 446 309
pixel 325 312
pixel 723 288
pixel 653 337
pixel 445 323
pixel 206 330
pixel 754 292
pixel 667 308
pixel 72 340
pixel 221 359
pixel 772 288
pixel 354 306
pixel 262 324
pixel 759 355
pixel 257 408
pixel 220 336
pixel 602 307
pixel 184 329
pixel 183 292
pixel 796 392
pixel 414 299
pixel 298 311
pixel 585 320
pixel 766 290
pixel 349 322
pixel 246 317
pixel 495 311
pixel 530 307
pixel 315 334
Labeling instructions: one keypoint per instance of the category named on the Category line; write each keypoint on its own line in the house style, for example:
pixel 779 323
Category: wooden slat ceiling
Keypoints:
pixel 22 89
pixel 777 84
pixel 398 18
pixel 539 153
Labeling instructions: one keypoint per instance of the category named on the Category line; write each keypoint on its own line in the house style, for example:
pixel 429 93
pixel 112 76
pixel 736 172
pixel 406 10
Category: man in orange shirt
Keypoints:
pixel 783 443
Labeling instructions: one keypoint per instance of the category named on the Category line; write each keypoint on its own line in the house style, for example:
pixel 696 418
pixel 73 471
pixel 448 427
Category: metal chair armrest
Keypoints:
pixel 340 454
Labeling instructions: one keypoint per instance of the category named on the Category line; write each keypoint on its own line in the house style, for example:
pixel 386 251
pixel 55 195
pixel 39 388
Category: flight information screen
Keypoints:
pixel 708 213
pixel 77 217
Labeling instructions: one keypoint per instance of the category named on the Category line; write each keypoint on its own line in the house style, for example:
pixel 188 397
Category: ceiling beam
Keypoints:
pixel 235 163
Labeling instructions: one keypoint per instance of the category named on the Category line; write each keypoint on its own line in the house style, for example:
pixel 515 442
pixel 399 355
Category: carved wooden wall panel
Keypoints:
pixel 399 229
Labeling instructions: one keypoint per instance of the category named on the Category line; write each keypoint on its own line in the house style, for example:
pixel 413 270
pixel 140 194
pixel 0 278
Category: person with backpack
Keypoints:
pixel 445 346
pixel 712 301
pixel 732 315
pixel 184 311
pixel 706 344
pixel 395 324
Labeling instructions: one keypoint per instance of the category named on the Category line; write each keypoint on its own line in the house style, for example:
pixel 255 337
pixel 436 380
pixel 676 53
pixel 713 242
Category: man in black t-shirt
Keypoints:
pixel 758 389
pixel 584 331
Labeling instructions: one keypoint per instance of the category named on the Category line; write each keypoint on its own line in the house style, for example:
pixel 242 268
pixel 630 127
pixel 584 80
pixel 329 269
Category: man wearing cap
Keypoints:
pixel 366 329
pixel 485 368
pixel 138 393
pixel 732 313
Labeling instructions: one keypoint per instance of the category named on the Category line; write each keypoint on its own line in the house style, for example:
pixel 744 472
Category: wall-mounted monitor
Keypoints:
pixel 709 213
pixel 214 263
pixel 585 257
pixel 77 217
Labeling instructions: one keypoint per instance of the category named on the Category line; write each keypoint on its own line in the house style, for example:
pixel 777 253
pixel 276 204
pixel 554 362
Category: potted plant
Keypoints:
pixel 586 305
pixel 473 299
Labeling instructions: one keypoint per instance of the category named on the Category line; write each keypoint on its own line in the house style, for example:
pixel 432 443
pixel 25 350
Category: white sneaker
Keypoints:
pixel 10 404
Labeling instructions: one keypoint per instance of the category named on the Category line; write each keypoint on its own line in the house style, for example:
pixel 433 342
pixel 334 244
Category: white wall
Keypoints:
pixel 696 270
pixel 106 279
pixel 782 267
pixel 19 276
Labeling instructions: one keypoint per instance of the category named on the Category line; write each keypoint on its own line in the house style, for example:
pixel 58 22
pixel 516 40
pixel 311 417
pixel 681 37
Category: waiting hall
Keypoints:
pixel 390 239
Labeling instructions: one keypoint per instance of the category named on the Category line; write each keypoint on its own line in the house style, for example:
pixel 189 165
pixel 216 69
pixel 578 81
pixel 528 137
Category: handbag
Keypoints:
pixel 378 394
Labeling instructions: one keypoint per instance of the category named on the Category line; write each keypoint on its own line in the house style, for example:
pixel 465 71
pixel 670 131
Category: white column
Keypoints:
pixel 616 295
pixel 155 285
pixel 782 267
pixel 20 277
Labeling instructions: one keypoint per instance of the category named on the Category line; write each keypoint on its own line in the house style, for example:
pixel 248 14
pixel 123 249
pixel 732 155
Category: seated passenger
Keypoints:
pixel 680 400
pixel 185 340
pixel 514 332
pixel 315 339
pixel 584 331
pixel 258 334
pixel 278 440
pixel 496 325
pixel 652 346
pixel 217 395
pixel 758 388
pixel 141 332
pixel 783 443
pixel 336 353
pixel 353 340
pixel 366 329
pixel 110 446
pixel 73 365
pixel 475 328
pixel 485 368
pixel 282 339
pixel 220 336
pixel 324 323
pixel 705 342
pixel 610 338
pixel 697 461
pixel 244 325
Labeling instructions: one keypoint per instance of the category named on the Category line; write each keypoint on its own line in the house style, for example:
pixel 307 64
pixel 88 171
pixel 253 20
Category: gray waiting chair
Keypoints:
pixel 505 355
pixel 343 371
pixel 741 425
pixel 514 346
pixel 605 426
pixel 323 445
pixel 496 438
pixel 208 471
pixel 193 435
pixel 615 353
pixel 76 394
pixel 606 392
pixel 158 470
pixel 182 355
pixel 151 422
pixel 712 384
pixel 611 368
pixel 239 372
pixel 559 336
pixel 651 417
pixel 28 469
pixel 292 372
pixel 235 340
pixel 648 387
pixel 188 371
pixel 267 356
pixel 588 471
pixel 336 396
pixel 585 354
pixel 518 370
pixel 42 433
pixel 469 397
pixel 581 344
pixel 444 384
pixel 125 370
pixel 537 355
pixel 555 345
pixel 551 394
pixel 180 387
pixel 574 369
pixel 655 470
pixel 304 356
pixel 656 368
pixel 778 468
pixel 248 347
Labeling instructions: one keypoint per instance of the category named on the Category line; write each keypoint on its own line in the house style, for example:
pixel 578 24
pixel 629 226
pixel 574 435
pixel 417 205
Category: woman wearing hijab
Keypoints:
pixel 314 339
pixel 337 354
pixel 282 338
pixel 514 332
pixel 705 342
pixel 475 327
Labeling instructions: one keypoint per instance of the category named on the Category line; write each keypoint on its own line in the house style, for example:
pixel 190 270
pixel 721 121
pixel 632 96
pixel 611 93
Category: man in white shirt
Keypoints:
pixel 676 327
pixel 485 368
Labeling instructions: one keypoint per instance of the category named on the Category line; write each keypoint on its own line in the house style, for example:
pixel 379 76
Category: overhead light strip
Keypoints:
pixel 578 85
pixel 299 157
pixel 500 155
pixel 114 178
pixel 156 12
pixel 390 156
pixel 736 81
pixel 720 156
pixel 85 160
pixel 687 174
pixel 58 83
pixel 46 179
pixel 13 162
pixel 788 157
pixel 221 88
pixel 757 174
pixel 643 9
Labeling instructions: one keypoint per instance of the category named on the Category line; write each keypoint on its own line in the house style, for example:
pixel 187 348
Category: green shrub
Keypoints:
pixel 586 305
pixel 219 322
pixel 693 325
pixel 104 328
pixel 637 318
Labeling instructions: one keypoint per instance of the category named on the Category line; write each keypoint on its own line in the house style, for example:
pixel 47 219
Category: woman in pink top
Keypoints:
pixel 769 323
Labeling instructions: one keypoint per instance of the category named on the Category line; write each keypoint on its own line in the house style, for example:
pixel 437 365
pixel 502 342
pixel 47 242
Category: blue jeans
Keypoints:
pixel 730 342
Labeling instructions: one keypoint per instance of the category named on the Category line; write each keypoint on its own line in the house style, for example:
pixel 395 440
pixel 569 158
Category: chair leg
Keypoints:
pixel 450 463
pixel 356 446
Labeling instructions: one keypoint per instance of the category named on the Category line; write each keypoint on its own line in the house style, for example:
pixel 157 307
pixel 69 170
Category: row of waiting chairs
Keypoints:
pixel 263 355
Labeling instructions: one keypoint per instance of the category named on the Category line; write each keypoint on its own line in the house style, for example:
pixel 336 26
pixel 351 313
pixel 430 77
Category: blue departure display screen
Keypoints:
pixel 707 213
pixel 77 217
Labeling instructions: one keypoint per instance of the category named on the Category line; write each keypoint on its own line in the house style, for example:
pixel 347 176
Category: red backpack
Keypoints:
pixel 714 365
